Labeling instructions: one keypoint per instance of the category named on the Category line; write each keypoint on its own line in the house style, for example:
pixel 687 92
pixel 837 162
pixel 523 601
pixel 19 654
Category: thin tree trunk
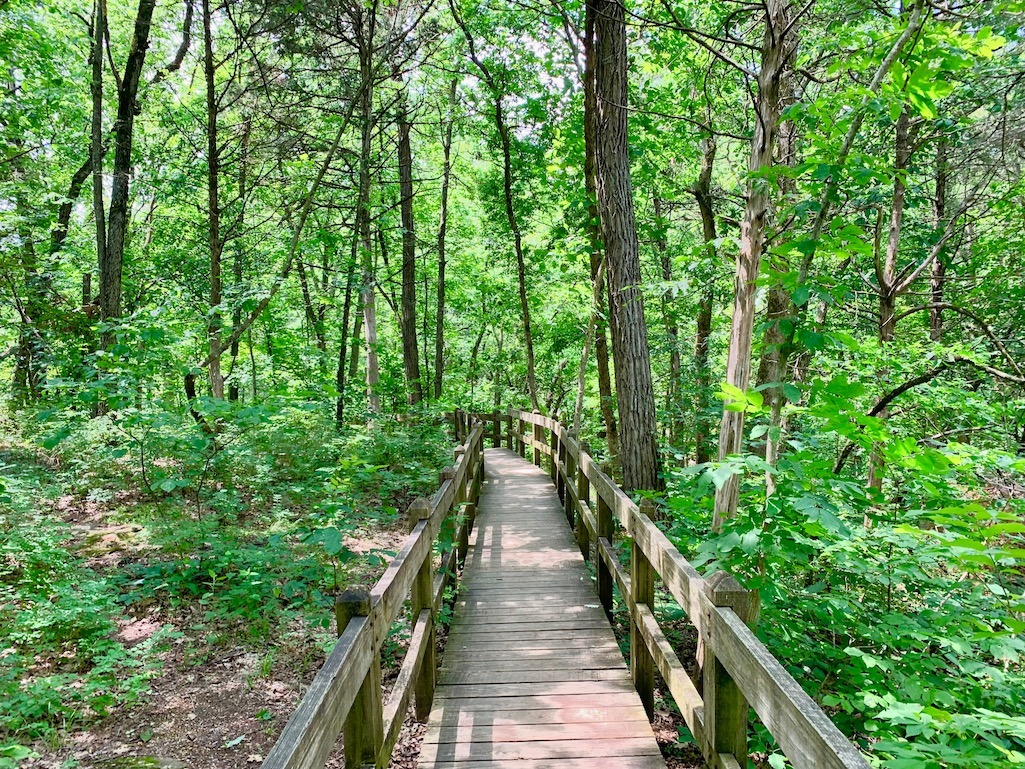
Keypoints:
pixel 887 273
pixel 410 349
pixel 340 373
pixel 939 265
pixel 213 208
pixel 638 450
pixel 703 331
pixel 368 299
pixel 439 323
pixel 117 218
pixel 673 404
pixel 777 47
pixel 521 269
pixel 96 152
pixel 779 307
pixel 236 272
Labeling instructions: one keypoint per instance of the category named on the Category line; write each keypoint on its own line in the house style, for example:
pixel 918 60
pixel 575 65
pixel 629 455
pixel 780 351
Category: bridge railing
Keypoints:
pixel 737 672
pixel 346 695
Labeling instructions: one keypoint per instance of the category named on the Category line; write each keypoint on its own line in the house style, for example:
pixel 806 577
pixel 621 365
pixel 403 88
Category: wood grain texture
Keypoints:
pixel 532 674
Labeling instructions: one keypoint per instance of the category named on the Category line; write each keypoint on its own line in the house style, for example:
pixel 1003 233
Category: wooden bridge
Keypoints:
pixel 532 675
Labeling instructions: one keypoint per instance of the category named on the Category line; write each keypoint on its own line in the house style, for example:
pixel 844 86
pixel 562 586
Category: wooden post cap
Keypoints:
pixel 447 474
pixel 419 510
pixel 352 602
pixel 649 508
pixel 724 590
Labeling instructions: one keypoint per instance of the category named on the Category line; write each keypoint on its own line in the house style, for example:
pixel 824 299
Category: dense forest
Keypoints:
pixel 766 258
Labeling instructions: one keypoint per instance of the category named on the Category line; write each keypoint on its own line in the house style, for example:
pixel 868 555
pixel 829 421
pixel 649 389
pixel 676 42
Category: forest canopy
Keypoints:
pixel 767 259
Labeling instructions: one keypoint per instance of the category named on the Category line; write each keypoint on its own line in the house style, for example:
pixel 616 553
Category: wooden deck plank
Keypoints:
pixel 532 675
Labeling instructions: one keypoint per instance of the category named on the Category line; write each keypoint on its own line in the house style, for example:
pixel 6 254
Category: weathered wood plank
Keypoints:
pixel 484 729
pixel 548 749
pixel 591 762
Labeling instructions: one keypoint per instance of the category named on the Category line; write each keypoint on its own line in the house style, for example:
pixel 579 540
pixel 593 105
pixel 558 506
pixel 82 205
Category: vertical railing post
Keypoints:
pixel 571 478
pixel 469 515
pixel 605 530
pixel 521 446
pixel 508 432
pixel 726 710
pixel 478 472
pixel 364 726
pixel 460 454
pixel 555 444
pixel 496 434
pixel 422 597
pixel 538 435
pixel 584 493
pixel 642 589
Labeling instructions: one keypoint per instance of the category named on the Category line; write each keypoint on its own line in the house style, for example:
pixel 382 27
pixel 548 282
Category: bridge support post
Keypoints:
pixel 571 478
pixel 726 709
pixel 496 433
pixel 538 439
pixel 556 457
pixel 605 579
pixel 363 730
pixel 642 588
pixel 421 597
pixel 584 500
pixel 508 432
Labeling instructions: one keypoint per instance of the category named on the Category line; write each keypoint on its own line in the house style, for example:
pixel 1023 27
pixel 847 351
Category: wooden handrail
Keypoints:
pixel 737 668
pixel 346 694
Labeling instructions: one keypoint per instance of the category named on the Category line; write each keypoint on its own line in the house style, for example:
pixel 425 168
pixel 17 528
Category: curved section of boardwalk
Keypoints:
pixel 532 676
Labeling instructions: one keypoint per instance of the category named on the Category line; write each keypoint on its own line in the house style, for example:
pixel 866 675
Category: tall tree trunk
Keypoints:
pixel 236 271
pixel 367 294
pixel 117 218
pixel 703 331
pixel 521 268
pixel 887 272
pixel 673 404
pixel 777 47
pixel 598 314
pixel 410 350
pixel 340 378
pixel 213 162
pixel 96 150
pixel 779 307
pixel 939 265
pixel 638 450
pixel 446 177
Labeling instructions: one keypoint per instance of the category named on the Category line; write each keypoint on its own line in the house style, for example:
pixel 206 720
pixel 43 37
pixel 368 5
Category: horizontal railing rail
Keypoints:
pixel 737 672
pixel 346 695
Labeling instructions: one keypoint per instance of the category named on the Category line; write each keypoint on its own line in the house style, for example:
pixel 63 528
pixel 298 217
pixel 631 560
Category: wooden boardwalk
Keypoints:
pixel 532 675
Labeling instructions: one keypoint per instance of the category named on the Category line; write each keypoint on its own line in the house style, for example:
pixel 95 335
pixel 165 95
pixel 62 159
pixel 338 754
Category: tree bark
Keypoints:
pixel 779 307
pixel 510 207
pixel 777 48
pixel 598 314
pixel 886 273
pixel 112 260
pixel 703 332
pixel 410 349
pixel 939 265
pixel 638 450
pixel 213 207
pixel 96 151
pixel 367 295
pixel 673 403
pixel 446 178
